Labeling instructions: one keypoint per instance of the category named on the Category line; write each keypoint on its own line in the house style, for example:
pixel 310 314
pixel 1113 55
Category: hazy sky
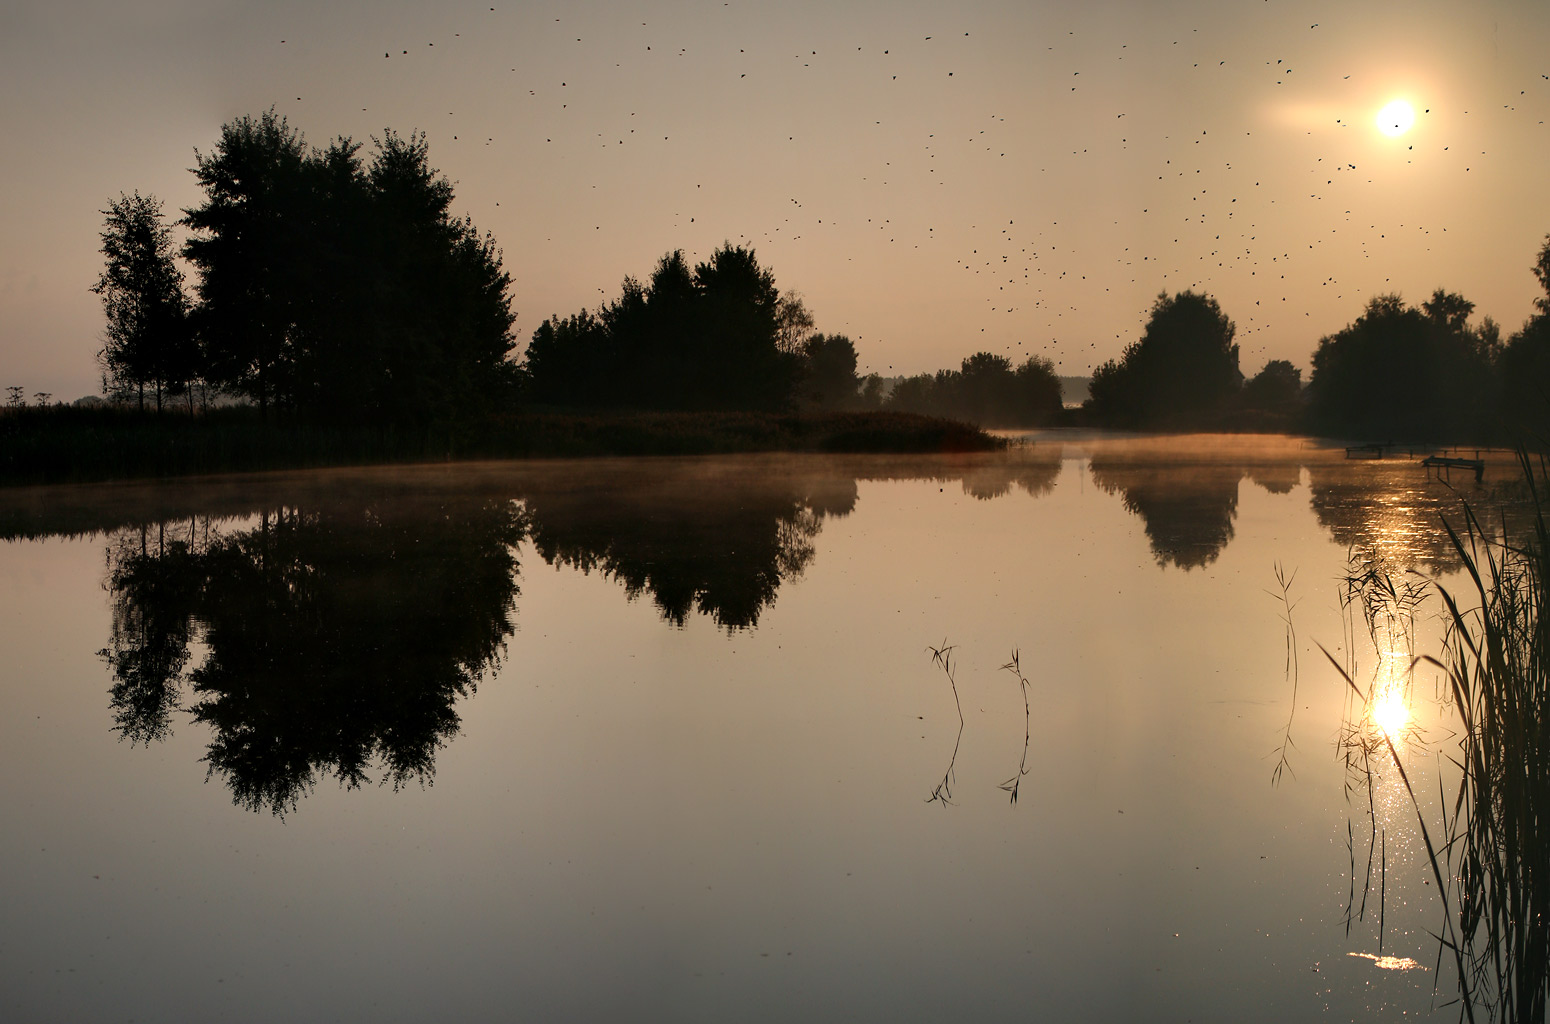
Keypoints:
pixel 934 178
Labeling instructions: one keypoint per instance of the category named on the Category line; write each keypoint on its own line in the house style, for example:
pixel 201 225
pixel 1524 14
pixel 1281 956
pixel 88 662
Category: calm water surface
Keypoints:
pixel 664 740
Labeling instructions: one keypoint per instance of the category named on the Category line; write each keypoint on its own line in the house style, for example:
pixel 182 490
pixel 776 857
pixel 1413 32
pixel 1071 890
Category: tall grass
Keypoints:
pixel 1488 854
pixel 1497 661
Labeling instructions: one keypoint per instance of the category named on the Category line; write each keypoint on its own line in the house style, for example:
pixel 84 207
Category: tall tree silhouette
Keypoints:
pixel 1524 367
pixel 829 371
pixel 248 236
pixel 342 288
pixel 148 338
pixel 1401 372
pixel 1180 373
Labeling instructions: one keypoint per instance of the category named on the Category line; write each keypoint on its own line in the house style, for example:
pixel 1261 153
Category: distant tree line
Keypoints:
pixel 986 390
pixel 330 283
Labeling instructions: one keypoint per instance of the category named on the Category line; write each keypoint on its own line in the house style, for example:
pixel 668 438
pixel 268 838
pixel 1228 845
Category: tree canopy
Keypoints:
pixel 706 339
pixel 342 287
pixel 1402 372
pixel 1182 372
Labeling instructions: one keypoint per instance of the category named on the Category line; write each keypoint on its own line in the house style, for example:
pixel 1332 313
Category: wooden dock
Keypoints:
pixel 1364 451
pixel 1443 464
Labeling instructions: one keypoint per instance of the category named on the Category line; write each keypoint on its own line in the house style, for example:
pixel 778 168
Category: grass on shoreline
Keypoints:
pixel 66 444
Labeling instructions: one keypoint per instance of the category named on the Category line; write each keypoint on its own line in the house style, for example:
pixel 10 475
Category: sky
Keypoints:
pixel 935 179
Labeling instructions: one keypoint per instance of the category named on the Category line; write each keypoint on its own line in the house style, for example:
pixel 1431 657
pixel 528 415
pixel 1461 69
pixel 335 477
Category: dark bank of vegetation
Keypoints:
pixel 65 444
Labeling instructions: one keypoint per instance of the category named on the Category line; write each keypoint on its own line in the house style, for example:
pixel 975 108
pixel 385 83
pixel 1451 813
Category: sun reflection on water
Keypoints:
pixel 1390 963
pixel 1388 707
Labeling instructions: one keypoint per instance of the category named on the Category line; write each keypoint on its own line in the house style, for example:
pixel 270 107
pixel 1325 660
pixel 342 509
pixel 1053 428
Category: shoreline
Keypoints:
pixel 67 445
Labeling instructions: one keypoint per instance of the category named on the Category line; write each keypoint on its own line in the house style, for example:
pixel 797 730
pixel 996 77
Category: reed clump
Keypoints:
pixel 1488 854
pixel 1497 662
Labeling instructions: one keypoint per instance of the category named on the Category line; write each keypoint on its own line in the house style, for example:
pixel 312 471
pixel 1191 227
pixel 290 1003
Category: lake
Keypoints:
pixel 666 739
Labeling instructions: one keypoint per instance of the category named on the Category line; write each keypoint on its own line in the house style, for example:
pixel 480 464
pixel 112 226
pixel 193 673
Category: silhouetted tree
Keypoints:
pixel 444 314
pixel 1525 382
pixel 872 391
pixel 1181 373
pixel 794 322
pixel 830 379
pixel 702 340
pixel 148 338
pixel 246 246
pixel 1524 367
pixel 345 289
pixel 1276 388
pixel 1400 372
pixel 742 367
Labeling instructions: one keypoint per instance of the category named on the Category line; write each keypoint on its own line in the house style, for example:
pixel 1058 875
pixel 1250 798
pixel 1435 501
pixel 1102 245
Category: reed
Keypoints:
pixel 1488 853
pixel 1015 666
pixel 1497 662
pixel 942 657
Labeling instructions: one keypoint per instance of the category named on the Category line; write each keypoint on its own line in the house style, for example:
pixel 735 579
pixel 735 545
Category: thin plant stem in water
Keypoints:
pixel 942 657
pixel 1284 595
pixel 1014 666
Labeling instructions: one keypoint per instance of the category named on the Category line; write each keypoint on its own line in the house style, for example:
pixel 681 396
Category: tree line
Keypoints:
pixel 1422 373
pixel 722 335
pixel 336 283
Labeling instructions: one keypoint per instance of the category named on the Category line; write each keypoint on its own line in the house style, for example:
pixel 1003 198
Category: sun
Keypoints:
pixel 1396 118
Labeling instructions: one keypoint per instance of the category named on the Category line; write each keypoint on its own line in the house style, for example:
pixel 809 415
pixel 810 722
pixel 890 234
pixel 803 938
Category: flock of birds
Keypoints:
pixel 1202 198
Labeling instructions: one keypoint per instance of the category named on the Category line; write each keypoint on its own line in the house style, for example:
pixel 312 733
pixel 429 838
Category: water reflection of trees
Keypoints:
pixel 691 540
pixel 333 639
pixel 1187 510
pixel 1387 512
pixel 720 538
pixel 326 625
pixel 1390 514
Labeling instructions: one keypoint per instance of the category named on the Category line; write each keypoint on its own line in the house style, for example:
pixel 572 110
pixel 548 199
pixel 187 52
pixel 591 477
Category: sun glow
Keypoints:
pixel 1396 118
pixel 1391 712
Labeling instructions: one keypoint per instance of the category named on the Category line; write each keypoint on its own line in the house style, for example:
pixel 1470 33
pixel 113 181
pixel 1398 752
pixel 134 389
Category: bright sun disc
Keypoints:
pixel 1390 713
pixel 1396 118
